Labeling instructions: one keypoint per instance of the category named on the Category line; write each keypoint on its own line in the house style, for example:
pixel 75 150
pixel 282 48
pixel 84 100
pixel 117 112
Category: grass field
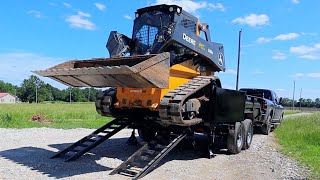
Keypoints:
pixel 55 115
pixel 287 112
pixel 300 139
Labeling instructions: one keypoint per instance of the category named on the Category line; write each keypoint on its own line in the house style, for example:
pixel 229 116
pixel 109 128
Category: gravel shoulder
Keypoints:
pixel 25 153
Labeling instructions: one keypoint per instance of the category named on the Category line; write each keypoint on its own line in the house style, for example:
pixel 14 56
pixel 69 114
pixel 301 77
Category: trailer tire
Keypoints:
pixel 266 128
pixel 248 133
pixel 147 134
pixel 235 138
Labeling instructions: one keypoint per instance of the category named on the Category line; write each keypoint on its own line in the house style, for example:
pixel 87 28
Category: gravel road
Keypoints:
pixel 25 153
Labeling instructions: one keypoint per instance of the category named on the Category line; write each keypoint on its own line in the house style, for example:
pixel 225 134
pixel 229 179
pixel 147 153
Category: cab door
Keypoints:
pixel 277 106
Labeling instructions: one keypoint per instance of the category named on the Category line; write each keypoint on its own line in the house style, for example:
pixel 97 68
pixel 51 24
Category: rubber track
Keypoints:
pixel 104 100
pixel 170 109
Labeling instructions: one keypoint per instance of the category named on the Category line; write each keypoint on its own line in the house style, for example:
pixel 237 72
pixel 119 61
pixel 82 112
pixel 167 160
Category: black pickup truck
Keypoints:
pixel 271 108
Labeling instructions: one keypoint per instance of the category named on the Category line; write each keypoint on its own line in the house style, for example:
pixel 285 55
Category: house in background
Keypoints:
pixel 7 98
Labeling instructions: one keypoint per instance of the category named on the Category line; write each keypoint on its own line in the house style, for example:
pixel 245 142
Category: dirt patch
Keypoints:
pixel 40 118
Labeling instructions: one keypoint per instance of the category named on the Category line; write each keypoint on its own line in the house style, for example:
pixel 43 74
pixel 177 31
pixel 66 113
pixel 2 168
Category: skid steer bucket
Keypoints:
pixel 145 71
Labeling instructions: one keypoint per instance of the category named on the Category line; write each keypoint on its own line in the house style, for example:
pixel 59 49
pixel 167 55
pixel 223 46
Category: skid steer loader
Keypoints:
pixel 162 83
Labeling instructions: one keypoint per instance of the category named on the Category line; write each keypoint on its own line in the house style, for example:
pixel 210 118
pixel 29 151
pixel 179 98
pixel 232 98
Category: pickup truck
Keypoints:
pixel 271 108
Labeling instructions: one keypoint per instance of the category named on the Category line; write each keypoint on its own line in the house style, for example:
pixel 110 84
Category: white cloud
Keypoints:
pixel 100 6
pixel 81 21
pixel 263 40
pixel 307 52
pixel 310 56
pixel 313 75
pixel 295 1
pixel 34 13
pixel 218 6
pixel 67 5
pixel 298 75
pixel 308 75
pixel 253 20
pixel 302 49
pixel 20 64
pixel 309 34
pixel 127 17
pixel 279 55
pixel 280 37
pixel 83 14
pixel 187 5
pixel 284 37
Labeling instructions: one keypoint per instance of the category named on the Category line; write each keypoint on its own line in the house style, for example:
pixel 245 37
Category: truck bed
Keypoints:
pixel 253 108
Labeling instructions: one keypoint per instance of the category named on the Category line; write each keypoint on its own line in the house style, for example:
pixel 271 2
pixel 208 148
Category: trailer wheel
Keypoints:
pixel 147 134
pixel 266 128
pixel 235 138
pixel 248 133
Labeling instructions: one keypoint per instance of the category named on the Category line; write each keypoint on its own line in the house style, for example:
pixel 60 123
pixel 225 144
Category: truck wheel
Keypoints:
pixel 235 138
pixel 146 134
pixel 248 133
pixel 266 128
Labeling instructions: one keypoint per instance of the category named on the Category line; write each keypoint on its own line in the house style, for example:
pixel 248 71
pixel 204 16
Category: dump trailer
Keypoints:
pixel 162 83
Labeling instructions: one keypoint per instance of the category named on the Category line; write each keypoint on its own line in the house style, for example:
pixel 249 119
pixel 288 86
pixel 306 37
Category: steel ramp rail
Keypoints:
pixel 146 158
pixel 94 139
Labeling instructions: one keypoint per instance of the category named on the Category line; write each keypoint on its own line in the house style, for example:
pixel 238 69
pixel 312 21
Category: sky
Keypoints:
pixel 280 38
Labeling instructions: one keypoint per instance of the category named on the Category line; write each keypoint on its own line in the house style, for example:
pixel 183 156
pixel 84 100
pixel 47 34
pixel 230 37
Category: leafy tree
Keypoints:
pixel 27 93
pixel 77 95
pixel 91 94
pixel 286 102
pixel 32 86
pixel 7 87
pixel 317 102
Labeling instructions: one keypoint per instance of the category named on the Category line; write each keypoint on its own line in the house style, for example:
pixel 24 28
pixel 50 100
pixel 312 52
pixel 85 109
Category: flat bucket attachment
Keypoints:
pixel 146 71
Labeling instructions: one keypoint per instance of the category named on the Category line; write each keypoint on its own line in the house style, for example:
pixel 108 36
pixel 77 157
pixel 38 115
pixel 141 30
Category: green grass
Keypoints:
pixel 287 112
pixel 299 138
pixel 59 115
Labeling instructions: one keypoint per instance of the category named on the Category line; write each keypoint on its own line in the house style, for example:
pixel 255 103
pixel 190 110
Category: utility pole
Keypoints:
pixel 239 49
pixel 300 99
pixel 294 88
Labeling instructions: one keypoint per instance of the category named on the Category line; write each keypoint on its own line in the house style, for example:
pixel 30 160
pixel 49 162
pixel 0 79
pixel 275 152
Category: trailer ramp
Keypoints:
pixel 92 140
pixel 146 158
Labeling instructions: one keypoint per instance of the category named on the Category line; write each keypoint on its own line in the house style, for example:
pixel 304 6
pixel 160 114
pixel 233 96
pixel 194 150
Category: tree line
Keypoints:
pixel 33 89
pixel 26 92
pixel 304 102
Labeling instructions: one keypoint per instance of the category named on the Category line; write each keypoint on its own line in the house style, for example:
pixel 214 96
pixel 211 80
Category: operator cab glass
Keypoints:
pixel 147 25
